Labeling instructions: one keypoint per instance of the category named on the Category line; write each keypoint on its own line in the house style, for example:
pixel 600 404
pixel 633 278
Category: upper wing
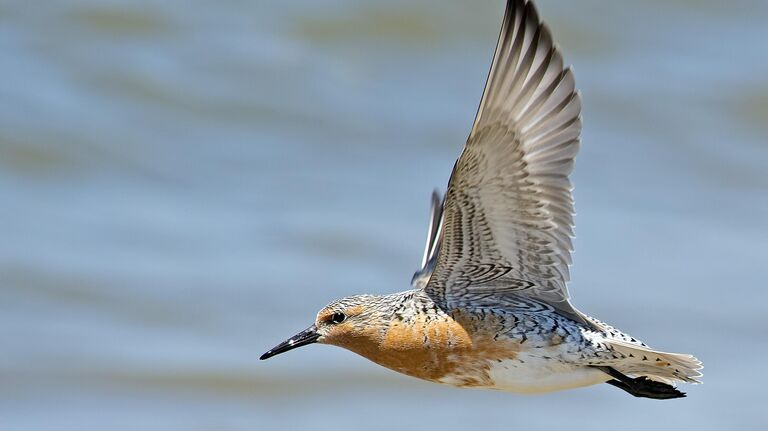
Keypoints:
pixel 508 216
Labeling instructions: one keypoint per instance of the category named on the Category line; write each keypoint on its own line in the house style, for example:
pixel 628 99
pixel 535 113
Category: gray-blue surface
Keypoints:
pixel 184 184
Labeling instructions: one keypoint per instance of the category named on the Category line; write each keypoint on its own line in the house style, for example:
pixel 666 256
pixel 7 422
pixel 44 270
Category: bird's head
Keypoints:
pixel 350 322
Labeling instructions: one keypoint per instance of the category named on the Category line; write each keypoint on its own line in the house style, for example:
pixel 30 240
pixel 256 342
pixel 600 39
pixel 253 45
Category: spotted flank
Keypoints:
pixel 489 305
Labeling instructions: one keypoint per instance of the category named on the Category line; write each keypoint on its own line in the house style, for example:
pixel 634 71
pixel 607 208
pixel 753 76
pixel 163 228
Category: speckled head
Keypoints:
pixel 345 322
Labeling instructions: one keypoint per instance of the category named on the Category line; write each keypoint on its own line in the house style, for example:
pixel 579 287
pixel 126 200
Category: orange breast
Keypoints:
pixel 458 348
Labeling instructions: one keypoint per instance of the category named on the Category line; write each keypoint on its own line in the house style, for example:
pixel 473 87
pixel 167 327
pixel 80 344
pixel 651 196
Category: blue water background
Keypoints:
pixel 184 184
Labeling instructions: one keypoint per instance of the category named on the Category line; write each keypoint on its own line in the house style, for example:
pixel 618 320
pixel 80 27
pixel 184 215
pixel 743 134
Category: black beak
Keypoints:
pixel 307 336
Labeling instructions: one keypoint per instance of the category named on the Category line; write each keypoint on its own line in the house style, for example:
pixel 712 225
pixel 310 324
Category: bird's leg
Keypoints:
pixel 642 387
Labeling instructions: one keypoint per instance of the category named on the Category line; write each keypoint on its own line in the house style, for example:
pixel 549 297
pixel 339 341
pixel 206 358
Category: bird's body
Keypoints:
pixel 495 344
pixel 489 306
pixel 480 346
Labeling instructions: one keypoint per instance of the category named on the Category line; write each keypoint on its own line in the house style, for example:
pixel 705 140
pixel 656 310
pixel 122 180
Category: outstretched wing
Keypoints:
pixel 428 261
pixel 508 216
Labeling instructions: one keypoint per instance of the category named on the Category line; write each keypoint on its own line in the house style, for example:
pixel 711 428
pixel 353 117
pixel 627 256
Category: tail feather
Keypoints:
pixel 660 366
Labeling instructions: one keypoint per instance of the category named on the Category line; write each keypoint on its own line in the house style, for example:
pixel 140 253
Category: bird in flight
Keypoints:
pixel 489 307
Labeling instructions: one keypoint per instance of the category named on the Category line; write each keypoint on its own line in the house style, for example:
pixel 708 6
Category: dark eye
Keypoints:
pixel 338 317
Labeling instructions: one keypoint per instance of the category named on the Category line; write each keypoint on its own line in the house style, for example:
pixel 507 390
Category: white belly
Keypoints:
pixel 532 374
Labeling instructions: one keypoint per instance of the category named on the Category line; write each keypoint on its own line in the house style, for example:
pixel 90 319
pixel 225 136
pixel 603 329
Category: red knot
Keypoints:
pixel 489 307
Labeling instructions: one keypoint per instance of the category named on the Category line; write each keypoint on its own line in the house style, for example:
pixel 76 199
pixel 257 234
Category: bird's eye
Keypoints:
pixel 338 317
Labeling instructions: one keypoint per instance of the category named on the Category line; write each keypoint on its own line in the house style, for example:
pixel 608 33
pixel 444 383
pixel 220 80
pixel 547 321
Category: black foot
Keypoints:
pixel 642 387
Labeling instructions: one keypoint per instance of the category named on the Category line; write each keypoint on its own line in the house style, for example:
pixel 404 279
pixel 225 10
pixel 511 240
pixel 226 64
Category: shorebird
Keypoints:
pixel 489 307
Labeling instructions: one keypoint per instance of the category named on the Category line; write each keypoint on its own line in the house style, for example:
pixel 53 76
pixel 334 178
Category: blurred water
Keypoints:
pixel 184 184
